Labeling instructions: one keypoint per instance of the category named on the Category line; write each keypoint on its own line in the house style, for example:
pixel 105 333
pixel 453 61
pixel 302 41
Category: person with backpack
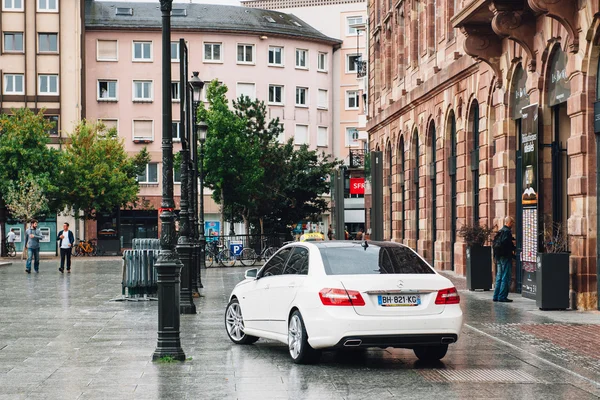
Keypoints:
pixel 503 247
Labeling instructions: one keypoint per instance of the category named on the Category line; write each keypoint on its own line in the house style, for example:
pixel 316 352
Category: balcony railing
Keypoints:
pixel 357 158
pixel 361 69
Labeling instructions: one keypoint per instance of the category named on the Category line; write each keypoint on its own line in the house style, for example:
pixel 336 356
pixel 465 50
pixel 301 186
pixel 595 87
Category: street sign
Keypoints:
pixel 236 247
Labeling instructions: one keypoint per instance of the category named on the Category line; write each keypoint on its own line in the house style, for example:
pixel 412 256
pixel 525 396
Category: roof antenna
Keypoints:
pixel 364 245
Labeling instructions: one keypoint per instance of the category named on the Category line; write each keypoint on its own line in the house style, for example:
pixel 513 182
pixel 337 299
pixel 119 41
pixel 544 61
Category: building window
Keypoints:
pixel 12 5
pixel 13 84
pixel 110 123
pixel 322 136
pixel 275 94
pixel 175 92
pixel 47 5
pixel 352 137
pixel 48 42
pixel 107 50
pixel 177 174
pixel 142 90
pixel 353 21
pixel 142 51
pixel 281 136
pixel 323 99
pixel 246 89
pixel 352 97
pixel 301 58
pixel 107 90
pixel 212 52
pixel 13 41
pixel 143 131
pixel 53 120
pixel 48 84
pixel 174 51
pixel 351 62
pixel 150 175
pixel 245 53
pixel 276 56
pixel 301 96
pixel 322 62
pixel 301 134
pixel 175 129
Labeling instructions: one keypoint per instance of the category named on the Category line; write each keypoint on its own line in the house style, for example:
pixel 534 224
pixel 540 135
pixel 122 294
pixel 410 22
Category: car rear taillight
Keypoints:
pixel 341 297
pixel 447 296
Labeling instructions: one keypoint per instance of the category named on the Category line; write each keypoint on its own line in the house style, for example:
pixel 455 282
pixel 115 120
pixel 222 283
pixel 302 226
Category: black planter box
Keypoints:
pixel 479 268
pixel 552 279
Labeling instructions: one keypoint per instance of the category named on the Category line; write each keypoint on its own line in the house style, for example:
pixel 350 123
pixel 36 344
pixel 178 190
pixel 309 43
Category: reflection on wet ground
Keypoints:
pixel 60 337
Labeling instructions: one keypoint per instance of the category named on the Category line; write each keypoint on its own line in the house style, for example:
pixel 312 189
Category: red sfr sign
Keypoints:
pixel 357 185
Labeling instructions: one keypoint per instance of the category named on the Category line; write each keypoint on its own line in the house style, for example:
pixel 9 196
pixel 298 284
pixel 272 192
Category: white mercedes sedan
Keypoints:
pixel 334 295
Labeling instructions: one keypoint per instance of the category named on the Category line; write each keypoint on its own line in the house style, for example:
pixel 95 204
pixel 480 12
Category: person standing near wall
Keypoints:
pixel 32 241
pixel 66 240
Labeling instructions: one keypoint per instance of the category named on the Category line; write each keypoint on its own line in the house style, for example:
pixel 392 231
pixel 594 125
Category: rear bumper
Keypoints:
pixel 403 341
pixel 331 326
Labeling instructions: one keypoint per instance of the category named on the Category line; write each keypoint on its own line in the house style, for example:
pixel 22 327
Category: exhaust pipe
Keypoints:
pixel 447 340
pixel 352 343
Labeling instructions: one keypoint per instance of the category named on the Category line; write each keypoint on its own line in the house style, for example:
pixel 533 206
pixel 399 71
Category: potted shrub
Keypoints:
pixel 552 274
pixel 479 256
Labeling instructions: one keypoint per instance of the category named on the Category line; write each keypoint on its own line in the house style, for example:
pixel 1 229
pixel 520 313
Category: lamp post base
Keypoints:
pixel 186 302
pixel 175 353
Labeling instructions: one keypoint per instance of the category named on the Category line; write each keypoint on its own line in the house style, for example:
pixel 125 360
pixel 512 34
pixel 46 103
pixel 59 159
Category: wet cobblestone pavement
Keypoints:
pixel 62 338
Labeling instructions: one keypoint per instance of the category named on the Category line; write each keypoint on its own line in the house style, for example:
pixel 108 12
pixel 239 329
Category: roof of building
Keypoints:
pixel 200 17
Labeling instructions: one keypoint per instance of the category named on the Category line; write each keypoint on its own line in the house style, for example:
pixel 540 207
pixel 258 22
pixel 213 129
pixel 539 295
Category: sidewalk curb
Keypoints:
pixel 5 264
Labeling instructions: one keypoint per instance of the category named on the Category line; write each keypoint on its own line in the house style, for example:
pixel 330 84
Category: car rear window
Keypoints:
pixel 357 260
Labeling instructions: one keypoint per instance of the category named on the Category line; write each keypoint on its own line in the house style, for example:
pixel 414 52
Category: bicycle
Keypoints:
pixel 11 251
pixel 85 248
pixel 248 256
pixel 211 253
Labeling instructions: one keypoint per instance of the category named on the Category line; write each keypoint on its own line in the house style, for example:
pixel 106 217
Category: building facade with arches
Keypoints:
pixel 462 95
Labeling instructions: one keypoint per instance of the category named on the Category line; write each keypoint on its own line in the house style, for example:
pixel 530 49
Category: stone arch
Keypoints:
pixel 431 189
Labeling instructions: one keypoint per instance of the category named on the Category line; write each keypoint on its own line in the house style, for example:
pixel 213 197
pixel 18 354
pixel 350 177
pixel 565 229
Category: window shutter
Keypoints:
pixel 107 49
pixel 142 130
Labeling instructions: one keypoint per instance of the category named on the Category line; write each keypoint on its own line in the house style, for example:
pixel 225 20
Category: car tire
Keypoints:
pixel 298 345
pixel 431 353
pixel 234 324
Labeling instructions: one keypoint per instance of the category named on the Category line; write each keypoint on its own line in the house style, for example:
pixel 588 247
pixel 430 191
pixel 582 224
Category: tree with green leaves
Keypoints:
pixel 231 162
pixel 260 136
pixel 25 155
pixel 98 175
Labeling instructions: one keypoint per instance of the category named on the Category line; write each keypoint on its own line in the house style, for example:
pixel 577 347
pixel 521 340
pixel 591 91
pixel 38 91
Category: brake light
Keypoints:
pixel 447 296
pixel 341 297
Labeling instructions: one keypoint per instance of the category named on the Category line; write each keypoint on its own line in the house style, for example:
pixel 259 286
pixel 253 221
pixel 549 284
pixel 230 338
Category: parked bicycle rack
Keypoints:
pixel 139 275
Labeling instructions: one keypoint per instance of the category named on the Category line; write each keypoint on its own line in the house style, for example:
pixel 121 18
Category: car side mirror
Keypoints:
pixel 251 273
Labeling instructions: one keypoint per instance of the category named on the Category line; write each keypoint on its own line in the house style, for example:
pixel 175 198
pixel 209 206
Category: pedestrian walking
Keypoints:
pixel 504 248
pixel 32 241
pixel 330 232
pixel 67 240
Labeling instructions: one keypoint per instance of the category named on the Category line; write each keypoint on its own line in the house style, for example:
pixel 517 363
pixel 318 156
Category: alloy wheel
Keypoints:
pixel 295 336
pixel 235 322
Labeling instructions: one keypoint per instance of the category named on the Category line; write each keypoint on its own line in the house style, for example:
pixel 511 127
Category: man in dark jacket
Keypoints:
pixel 66 242
pixel 32 242
pixel 504 262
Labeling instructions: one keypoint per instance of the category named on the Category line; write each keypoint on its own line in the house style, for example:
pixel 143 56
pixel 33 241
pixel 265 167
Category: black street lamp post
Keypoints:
pixel 200 129
pixel 168 265
pixel 185 240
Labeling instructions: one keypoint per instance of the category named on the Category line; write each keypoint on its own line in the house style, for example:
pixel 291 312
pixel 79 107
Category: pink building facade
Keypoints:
pixel 285 63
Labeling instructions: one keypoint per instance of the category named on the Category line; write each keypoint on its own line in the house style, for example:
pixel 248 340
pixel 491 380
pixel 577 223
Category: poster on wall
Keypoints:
pixel 212 229
pixel 529 199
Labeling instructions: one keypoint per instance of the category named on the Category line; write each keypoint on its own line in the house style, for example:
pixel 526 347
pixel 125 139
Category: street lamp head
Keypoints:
pixel 201 128
pixel 197 85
